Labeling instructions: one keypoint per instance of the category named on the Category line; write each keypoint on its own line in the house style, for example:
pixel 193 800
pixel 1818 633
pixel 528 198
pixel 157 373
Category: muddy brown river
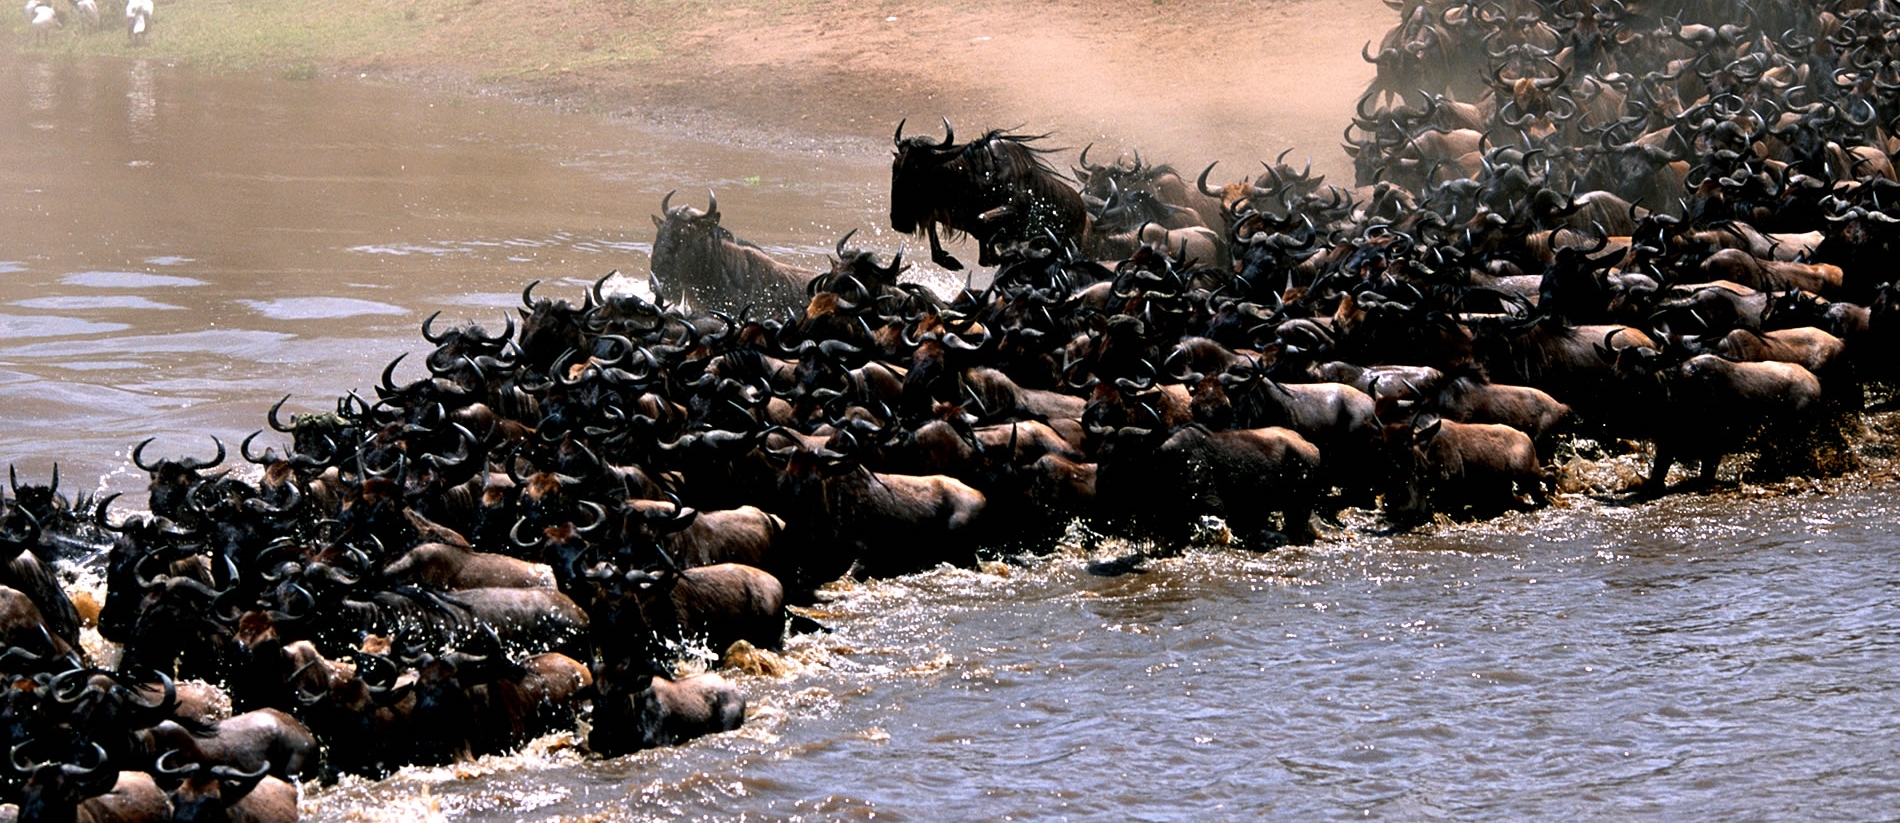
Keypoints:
pixel 178 251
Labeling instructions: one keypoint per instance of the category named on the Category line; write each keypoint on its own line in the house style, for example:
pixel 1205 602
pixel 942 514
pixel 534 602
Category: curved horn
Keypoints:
pixel 514 534
pixel 600 516
pixel 1201 181
pixel 186 768
pixel 195 464
pixel 77 770
pixel 272 417
pixel 244 449
pixel 138 455
pixel 389 374
pixel 430 336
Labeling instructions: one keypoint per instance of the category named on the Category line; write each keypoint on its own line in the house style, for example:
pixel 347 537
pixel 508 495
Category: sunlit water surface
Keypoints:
pixel 178 251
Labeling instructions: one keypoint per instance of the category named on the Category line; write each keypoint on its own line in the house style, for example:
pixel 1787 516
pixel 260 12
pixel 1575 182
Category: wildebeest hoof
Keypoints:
pixel 1622 498
pixel 946 261
pixel 1128 564
pixel 1648 492
pixel 1264 541
pixel 801 624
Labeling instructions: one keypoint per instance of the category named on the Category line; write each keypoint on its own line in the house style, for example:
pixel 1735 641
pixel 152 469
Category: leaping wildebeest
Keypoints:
pixel 995 188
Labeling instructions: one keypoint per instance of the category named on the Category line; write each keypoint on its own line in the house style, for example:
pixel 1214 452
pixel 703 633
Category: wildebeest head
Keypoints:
pixel 549 327
pixel 861 265
pixel 104 705
pixel 315 438
pixel 172 480
pixel 681 228
pixel 1405 441
pixel 55 786
pixel 204 793
pixel 470 341
pixel 43 502
pixel 920 180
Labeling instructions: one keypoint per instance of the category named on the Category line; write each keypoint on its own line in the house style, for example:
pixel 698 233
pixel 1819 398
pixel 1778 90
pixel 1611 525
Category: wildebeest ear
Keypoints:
pixel 657 222
pixel 1425 434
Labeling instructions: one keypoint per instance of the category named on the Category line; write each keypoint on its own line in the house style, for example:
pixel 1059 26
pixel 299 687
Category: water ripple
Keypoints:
pixel 127 280
pixel 16 326
pixel 77 303
pixel 320 308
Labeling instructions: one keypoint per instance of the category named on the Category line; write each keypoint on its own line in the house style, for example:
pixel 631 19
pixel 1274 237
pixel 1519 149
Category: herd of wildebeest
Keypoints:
pixel 1661 222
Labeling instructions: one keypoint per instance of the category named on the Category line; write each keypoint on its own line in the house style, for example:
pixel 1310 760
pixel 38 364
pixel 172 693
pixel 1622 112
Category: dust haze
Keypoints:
pixel 1185 83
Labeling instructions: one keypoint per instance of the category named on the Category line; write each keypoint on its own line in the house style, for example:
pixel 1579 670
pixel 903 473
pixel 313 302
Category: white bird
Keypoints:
pixel 138 19
pixel 44 19
pixel 89 10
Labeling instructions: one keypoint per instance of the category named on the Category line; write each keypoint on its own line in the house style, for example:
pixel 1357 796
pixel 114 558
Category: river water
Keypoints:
pixel 178 251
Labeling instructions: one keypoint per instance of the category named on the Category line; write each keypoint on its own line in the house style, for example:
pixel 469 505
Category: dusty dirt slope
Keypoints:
pixel 1187 82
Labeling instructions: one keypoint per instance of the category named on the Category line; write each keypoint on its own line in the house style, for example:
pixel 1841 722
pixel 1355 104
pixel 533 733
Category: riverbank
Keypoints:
pixel 1193 82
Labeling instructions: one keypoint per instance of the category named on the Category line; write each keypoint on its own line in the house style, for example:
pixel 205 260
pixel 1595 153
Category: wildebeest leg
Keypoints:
pixel 1710 462
pixel 1297 520
pixel 1348 482
pixel 1126 564
pixel 937 254
pixel 1261 539
pixel 1658 482
pixel 1541 488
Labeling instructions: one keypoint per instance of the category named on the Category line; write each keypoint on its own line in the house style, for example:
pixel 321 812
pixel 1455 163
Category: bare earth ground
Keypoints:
pixel 1187 82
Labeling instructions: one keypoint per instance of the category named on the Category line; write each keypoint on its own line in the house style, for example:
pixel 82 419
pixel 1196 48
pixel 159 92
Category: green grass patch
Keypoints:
pixel 492 39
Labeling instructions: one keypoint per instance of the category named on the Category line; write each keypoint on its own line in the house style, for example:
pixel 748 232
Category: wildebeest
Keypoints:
pixel 1449 466
pixel 695 257
pixel 264 740
pixel 995 188
pixel 1738 266
pixel 746 534
pixel 456 566
pixel 222 794
pixel 1706 407
pixel 1160 482
pixel 1811 348
pixel 87 793
pixel 720 604
pixel 838 513
pixel 683 406
pixel 1466 398
pixel 653 710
